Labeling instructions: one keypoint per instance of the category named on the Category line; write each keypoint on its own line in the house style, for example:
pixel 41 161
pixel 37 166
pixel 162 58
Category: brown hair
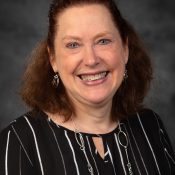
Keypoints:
pixel 37 90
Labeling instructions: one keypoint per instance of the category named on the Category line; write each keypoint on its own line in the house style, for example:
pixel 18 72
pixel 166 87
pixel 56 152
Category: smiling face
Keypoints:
pixel 89 54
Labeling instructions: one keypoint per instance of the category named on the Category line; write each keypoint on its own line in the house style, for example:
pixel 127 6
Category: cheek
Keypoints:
pixel 114 55
pixel 61 60
pixel 115 60
pixel 66 65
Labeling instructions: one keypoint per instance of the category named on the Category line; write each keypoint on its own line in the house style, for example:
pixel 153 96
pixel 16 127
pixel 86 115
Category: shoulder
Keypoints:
pixel 145 118
pixel 26 120
pixel 24 127
pixel 147 123
pixel 22 137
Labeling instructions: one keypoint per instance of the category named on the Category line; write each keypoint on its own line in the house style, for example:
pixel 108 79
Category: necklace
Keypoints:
pixel 80 141
pixel 122 139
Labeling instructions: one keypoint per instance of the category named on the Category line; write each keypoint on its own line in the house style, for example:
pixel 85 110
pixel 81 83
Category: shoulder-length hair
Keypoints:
pixel 37 90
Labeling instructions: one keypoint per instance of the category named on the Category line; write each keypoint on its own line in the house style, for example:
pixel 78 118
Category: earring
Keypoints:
pixel 55 81
pixel 125 76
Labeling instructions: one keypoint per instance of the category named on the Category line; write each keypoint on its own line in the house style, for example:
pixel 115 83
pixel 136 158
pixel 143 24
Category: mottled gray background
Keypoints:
pixel 24 22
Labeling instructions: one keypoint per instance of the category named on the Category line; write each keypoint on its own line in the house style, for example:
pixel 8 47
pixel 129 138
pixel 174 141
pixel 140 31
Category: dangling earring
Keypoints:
pixel 125 76
pixel 55 81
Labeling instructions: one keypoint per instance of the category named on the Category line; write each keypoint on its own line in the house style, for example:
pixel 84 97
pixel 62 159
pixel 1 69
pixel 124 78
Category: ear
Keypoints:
pixel 52 60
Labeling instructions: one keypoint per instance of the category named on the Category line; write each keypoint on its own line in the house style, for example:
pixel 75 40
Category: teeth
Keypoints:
pixel 93 77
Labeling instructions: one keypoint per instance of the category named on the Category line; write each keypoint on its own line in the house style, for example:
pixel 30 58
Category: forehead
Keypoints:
pixel 85 18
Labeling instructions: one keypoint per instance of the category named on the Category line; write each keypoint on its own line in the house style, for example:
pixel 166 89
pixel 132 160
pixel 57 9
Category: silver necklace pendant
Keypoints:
pixel 80 141
pixel 129 168
pixel 90 169
pixel 123 141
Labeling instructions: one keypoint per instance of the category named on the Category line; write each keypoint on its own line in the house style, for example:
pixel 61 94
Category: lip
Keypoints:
pixel 94 82
pixel 92 73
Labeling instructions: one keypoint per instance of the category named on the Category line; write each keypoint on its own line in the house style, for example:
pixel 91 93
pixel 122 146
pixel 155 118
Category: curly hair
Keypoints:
pixel 37 90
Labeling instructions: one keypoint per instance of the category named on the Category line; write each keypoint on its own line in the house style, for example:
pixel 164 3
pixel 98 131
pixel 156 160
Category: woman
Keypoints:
pixel 86 84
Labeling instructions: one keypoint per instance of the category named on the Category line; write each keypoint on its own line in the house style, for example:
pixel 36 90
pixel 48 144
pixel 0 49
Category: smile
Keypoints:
pixel 94 77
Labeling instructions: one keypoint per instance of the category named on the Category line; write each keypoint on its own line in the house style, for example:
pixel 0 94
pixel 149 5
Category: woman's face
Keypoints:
pixel 89 54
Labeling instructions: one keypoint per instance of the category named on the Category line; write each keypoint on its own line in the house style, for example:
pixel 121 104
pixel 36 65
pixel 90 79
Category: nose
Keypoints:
pixel 90 57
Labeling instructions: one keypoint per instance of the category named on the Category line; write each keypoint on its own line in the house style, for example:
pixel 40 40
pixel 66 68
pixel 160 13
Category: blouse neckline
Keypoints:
pixel 115 130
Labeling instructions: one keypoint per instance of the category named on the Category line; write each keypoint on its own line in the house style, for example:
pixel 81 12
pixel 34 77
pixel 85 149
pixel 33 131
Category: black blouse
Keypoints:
pixel 34 145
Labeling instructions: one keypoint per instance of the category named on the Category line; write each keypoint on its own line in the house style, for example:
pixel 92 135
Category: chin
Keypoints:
pixel 99 100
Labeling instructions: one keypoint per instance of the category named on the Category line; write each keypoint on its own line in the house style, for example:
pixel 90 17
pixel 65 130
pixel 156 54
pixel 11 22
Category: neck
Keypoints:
pixel 88 118
pixel 94 119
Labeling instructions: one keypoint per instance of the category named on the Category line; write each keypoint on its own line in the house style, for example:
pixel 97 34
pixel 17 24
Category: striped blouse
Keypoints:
pixel 35 145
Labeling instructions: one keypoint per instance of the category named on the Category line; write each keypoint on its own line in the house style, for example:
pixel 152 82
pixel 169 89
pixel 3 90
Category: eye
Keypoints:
pixel 72 45
pixel 104 41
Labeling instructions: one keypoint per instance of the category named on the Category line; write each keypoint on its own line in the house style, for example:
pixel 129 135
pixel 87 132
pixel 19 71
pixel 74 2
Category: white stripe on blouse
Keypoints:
pixel 149 144
pixel 138 149
pixel 121 157
pixel 36 144
pixel 132 150
pixel 73 152
pixel 58 146
pixel 6 153
pixel 110 155
pixel 92 155
pixel 22 145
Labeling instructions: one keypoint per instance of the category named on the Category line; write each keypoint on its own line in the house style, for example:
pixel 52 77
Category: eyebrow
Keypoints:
pixel 78 38
pixel 103 34
pixel 71 37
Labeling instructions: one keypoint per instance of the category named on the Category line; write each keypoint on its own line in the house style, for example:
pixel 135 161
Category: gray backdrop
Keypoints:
pixel 24 22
